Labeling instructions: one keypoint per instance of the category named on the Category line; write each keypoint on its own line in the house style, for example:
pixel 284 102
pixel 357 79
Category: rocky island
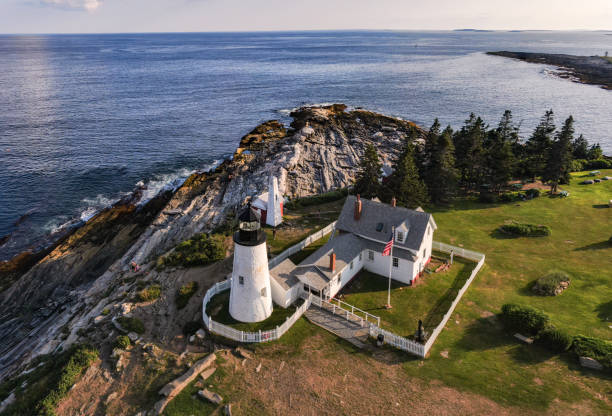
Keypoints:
pixel 596 70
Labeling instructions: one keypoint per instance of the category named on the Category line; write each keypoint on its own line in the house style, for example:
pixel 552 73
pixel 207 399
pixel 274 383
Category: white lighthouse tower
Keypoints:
pixel 274 215
pixel 250 295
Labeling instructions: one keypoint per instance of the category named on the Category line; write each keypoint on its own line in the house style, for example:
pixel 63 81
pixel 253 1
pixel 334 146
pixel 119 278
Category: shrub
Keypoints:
pixel 106 311
pixel 197 251
pixel 81 358
pixel 598 164
pixel 532 193
pixel 554 339
pixel 551 284
pixel 598 349
pixel 191 327
pixel 185 293
pixel 577 165
pixel 508 197
pixel 487 197
pixel 523 319
pixel 131 324
pixel 318 199
pixel 150 293
pixel 525 230
pixel 122 342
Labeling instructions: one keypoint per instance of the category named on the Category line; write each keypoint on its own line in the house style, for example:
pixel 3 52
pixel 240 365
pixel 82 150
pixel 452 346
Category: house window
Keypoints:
pixel 241 280
pixel 360 255
pixel 351 265
pixel 263 292
pixel 379 226
pixel 370 255
pixel 428 230
pixel 395 262
pixel 400 237
pixel 424 252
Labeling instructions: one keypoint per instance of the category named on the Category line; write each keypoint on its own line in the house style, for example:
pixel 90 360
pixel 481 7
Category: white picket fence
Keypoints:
pixel 413 346
pixel 301 245
pixel 244 336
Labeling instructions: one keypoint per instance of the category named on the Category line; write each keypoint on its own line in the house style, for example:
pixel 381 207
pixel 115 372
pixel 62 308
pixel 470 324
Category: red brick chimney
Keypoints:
pixel 393 202
pixel 357 208
pixel 332 261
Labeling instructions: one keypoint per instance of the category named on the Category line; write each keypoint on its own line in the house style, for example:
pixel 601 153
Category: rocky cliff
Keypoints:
pixel 61 292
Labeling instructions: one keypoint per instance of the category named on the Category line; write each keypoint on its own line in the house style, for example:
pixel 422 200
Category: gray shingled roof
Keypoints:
pixel 373 213
pixel 283 274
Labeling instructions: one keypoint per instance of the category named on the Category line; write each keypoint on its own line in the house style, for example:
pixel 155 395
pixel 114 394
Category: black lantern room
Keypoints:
pixel 249 228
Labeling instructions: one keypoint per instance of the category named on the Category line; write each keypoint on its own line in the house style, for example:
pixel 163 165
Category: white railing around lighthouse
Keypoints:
pixel 245 336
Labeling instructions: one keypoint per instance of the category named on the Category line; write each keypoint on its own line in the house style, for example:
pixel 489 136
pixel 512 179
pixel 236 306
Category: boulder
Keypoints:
pixel 244 353
pixel 591 363
pixel 99 319
pixel 523 338
pixel 211 396
pixel 133 336
pixel 200 333
pixel 207 373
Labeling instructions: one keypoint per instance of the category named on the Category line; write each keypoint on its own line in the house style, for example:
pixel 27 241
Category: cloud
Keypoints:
pixel 88 5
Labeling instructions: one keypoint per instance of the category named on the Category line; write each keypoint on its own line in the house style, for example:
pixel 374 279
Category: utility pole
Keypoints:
pixel 390 268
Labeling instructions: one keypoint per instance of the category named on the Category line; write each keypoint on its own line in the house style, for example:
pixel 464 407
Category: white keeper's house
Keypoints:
pixel 361 233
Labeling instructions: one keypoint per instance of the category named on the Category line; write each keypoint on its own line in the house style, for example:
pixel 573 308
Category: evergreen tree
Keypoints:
pixel 442 172
pixel 425 156
pixel 469 151
pixel 404 183
pixel 367 182
pixel 595 152
pixel 580 148
pixel 499 161
pixel 560 157
pixel 509 132
pixel 538 145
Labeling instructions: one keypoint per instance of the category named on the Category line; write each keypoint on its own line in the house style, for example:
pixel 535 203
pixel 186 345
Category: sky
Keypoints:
pixel 121 16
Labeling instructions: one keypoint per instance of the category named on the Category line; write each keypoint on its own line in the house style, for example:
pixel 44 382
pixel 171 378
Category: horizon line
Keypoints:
pixel 463 30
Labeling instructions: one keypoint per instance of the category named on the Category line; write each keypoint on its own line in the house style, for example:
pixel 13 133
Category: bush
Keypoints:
pixel 551 284
pixel 487 197
pixel 598 164
pixel 185 293
pixel 122 342
pixel 106 311
pixel 508 197
pixel 318 199
pixel 554 339
pixel 197 251
pixel 191 327
pixel 525 230
pixel 131 324
pixel 523 319
pixel 150 293
pixel 598 349
pixel 577 165
pixel 532 193
pixel 81 358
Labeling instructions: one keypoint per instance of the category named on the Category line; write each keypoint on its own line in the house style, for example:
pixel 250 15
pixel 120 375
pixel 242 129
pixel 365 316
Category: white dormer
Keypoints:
pixel 401 232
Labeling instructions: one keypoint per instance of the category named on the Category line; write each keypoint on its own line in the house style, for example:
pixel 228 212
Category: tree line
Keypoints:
pixel 477 159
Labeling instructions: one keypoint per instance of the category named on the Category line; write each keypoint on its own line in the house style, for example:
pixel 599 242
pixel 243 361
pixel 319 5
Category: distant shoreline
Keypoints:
pixel 594 70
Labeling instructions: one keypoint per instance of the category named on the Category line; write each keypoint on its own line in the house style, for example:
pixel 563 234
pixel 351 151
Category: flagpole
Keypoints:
pixel 390 268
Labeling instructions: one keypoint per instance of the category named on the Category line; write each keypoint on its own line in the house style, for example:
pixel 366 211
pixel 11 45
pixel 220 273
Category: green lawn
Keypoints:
pixel 219 308
pixel 482 357
pixel 428 300
pixel 301 255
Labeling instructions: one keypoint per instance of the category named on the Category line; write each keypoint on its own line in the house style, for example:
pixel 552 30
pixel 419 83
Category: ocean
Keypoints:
pixel 85 118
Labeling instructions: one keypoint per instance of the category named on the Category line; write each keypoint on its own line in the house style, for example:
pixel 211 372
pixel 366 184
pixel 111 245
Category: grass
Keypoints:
pixel 301 255
pixel 486 360
pixel 39 392
pixel 185 293
pixel 149 293
pixel 131 324
pixel 218 309
pixel 428 300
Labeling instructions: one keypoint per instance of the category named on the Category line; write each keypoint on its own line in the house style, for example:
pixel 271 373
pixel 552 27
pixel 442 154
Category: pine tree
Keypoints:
pixel 442 172
pixel 499 161
pixel 404 183
pixel 538 145
pixel 425 156
pixel 580 148
pixel 367 182
pixel 560 157
pixel 469 151
pixel 595 152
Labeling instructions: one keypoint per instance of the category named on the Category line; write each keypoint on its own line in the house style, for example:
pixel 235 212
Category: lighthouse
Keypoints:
pixel 250 293
pixel 275 209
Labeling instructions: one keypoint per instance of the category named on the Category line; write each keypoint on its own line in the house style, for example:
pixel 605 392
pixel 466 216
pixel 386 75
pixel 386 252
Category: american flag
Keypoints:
pixel 387 250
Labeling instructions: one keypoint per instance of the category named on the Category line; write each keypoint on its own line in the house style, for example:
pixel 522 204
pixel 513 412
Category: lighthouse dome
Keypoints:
pixel 249 227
